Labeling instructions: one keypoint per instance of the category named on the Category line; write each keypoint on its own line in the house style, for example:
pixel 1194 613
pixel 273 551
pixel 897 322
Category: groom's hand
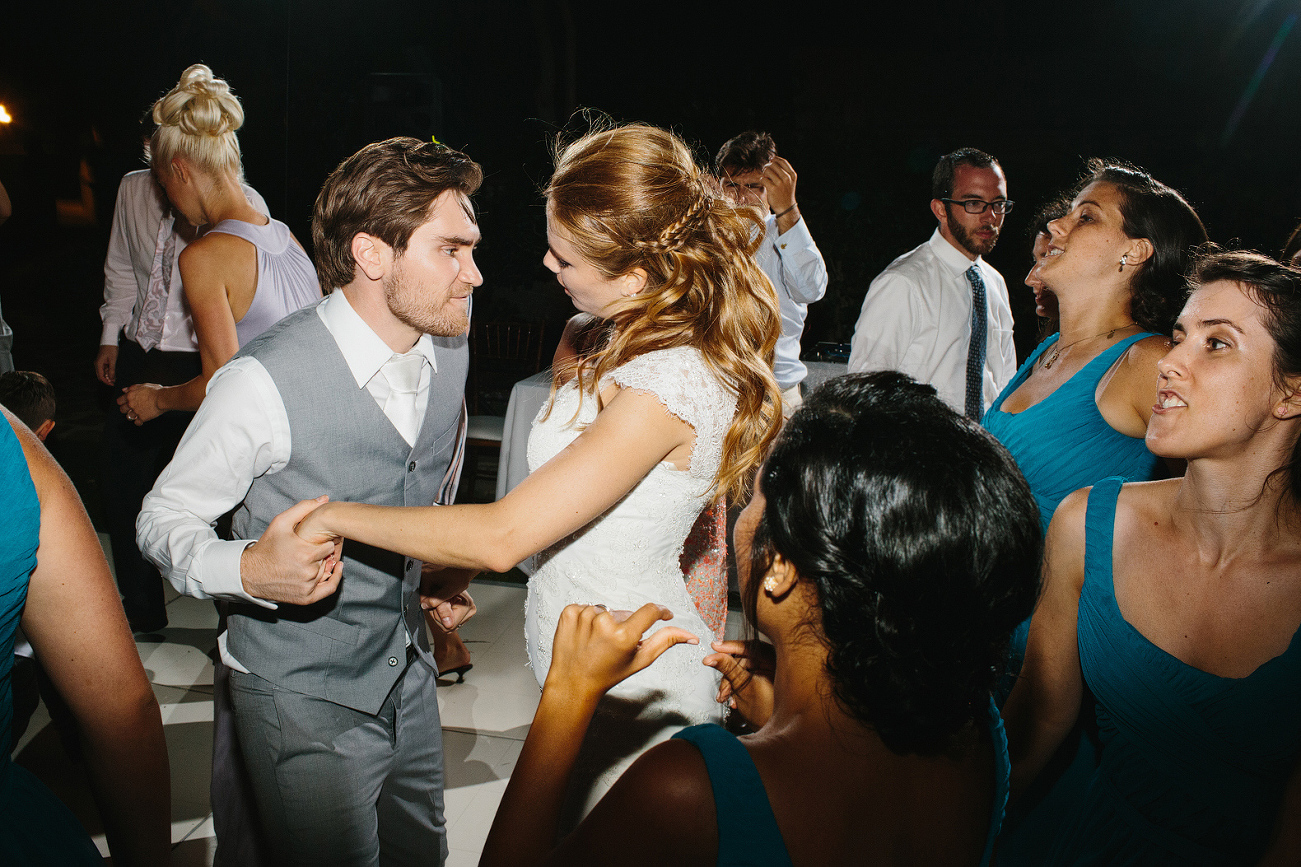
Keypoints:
pixel 282 567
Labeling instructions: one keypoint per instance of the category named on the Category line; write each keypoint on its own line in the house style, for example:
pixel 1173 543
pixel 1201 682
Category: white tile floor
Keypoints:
pixel 485 720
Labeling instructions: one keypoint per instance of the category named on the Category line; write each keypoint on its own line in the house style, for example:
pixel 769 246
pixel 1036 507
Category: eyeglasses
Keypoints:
pixel 978 206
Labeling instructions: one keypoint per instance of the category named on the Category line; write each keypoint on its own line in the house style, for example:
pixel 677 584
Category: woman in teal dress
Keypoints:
pixel 888 551
pixel 1077 410
pixel 1177 603
pixel 54 578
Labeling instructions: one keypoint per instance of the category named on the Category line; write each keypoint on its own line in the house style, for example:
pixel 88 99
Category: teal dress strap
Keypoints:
pixel 747 828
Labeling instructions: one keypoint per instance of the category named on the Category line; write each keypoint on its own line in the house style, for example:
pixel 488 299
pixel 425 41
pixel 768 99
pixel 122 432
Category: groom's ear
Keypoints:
pixel 372 255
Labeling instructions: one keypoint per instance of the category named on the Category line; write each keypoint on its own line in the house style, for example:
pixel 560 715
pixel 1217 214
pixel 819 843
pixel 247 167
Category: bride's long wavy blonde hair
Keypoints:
pixel 634 197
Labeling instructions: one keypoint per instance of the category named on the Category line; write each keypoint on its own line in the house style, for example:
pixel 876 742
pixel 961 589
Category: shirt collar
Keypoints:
pixel 950 255
pixel 363 350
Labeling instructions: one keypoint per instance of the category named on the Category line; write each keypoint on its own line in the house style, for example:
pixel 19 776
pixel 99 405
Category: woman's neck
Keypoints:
pixel 1232 507
pixel 1082 318
pixel 223 199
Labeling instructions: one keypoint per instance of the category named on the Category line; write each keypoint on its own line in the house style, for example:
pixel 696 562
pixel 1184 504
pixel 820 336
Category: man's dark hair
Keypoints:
pixel 27 395
pixel 748 152
pixel 942 177
pixel 386 189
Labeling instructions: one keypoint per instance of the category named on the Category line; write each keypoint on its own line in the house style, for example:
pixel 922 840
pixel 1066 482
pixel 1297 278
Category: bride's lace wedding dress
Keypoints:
pixel 630 555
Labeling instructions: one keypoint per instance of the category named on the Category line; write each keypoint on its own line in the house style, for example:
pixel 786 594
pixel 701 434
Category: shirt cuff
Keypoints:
pixel 797 235
pixel 219 572
pixel 109 336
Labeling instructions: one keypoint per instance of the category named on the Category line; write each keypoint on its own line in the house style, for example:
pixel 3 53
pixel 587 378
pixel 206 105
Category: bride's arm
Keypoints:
pixel 632 434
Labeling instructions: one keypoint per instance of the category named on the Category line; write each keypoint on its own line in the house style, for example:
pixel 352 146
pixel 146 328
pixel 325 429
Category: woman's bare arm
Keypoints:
pixel 632 434
pixel 1045 702
pixel 74 621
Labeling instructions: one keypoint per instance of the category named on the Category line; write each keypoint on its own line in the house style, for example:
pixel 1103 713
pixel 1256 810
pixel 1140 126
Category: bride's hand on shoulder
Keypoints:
pixel 594 649
pixel 747 668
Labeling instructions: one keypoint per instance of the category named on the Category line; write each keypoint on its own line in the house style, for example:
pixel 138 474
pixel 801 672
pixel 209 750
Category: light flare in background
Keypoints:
pixel 5 116
pixel 1250 92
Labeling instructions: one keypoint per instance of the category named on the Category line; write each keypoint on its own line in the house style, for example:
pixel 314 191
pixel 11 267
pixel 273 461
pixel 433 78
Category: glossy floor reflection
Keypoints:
pixel 485 720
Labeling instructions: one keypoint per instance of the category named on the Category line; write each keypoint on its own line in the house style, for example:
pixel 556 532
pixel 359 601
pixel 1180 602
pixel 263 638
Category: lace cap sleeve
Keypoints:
pixel 686 386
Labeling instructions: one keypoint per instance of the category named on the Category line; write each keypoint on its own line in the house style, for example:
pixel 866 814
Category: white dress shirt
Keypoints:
pixel 916 318
pixel 795 266
pixel 140 209
pixel 241 432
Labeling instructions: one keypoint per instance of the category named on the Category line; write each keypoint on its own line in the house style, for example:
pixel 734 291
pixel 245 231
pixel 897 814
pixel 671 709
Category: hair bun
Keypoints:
pixel 200 105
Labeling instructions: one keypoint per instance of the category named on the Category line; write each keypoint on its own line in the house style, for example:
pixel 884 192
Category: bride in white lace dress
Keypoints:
pixel 676 406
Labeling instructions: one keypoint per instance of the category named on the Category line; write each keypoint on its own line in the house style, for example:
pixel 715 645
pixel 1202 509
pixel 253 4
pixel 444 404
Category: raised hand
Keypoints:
pixel 778 179
pixel 593 650
pixel 284 567
pixel 747 686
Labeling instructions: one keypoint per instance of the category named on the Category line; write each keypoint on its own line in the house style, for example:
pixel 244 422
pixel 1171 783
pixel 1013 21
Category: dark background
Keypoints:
pixel 1203 93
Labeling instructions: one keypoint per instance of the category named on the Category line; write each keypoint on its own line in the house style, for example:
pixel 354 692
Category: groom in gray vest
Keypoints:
pixel 361 399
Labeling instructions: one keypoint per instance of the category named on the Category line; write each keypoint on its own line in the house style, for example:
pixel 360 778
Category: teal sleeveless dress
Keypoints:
pixel 35 827
pixel 747 829
pixel 1192 766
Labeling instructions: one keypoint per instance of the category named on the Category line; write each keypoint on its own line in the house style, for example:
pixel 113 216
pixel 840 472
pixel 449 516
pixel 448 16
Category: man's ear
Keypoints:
pixel 633 282
pixel 44 430
pixel 374 258
pixel 940 211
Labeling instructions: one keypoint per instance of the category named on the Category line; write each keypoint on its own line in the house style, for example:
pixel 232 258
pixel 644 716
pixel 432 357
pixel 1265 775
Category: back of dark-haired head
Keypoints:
pixel 1053 209
pixel 1152 210
pixel 386 189
pixel 942 177
pixel 27 395
pixel 1276 288
pixel 748 152
pixel 922 540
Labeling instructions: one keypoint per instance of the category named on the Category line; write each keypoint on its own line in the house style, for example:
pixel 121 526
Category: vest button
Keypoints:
pixel 411 467
pixel 392 660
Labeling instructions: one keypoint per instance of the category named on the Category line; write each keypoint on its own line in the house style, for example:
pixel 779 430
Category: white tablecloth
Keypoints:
pixel 526 398
pixel 820 372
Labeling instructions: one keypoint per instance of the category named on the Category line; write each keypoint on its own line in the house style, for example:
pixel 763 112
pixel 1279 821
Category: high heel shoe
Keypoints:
pixel 459 671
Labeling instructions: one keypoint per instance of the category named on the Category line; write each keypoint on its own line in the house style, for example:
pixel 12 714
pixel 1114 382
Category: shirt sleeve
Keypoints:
pixel 120 287
pixel 884 330
pixel 240 432
pixel 804 272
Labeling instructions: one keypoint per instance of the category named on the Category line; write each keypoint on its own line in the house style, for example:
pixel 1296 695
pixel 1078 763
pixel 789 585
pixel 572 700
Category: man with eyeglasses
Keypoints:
pixel 940 313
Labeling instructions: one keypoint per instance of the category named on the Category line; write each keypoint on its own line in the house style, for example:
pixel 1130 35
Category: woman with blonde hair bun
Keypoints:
pixel 247 271
pixel 676 405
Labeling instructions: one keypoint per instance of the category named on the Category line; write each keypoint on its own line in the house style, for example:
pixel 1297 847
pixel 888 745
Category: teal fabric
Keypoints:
pixel 1192 766
pixel 747 829
pixel 35 827
pixel 1063 443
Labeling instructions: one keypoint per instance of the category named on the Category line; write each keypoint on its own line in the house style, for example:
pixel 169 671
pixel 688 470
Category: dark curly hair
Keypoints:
pixel 922 540
pixel 1154 211
pixel 1276 288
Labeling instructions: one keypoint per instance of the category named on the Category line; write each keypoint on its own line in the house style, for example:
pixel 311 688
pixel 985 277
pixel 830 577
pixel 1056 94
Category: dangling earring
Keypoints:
pixel 1124 260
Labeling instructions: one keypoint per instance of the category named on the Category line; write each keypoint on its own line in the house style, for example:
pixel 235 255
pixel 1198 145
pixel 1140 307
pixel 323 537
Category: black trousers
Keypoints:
pixel 133 458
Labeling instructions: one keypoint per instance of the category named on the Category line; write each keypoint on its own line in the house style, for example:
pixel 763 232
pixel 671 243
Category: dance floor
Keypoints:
pixel 485 721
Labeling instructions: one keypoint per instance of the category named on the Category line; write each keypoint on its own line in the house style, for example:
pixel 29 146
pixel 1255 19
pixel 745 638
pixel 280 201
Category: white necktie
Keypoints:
pixel 403 375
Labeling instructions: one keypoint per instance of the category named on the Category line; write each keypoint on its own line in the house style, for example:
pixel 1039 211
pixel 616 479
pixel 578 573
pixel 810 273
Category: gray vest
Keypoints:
pixel 350 647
